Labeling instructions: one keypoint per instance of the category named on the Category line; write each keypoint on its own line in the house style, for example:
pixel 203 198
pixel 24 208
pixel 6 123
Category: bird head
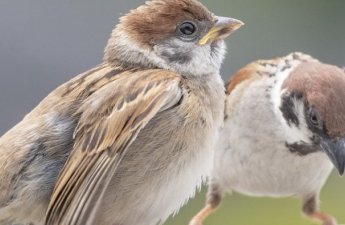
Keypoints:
pixel 313 106
pixel 178 35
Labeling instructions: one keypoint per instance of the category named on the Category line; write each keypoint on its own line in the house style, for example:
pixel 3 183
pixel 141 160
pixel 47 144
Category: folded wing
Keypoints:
pixel 110 120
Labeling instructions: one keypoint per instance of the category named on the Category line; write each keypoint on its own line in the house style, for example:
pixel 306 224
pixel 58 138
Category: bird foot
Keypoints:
pixel 325 218
pixel 330 221
pixel 196 221
pixel 202 215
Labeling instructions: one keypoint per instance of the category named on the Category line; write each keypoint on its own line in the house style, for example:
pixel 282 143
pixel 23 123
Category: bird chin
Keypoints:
pixel 217 45
pixel 217 52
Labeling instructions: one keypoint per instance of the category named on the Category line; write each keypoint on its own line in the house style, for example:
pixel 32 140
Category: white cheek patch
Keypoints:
pixel 300 133
pixel 277 91
pixel 294 133
pixel 190 58
pixel 171 55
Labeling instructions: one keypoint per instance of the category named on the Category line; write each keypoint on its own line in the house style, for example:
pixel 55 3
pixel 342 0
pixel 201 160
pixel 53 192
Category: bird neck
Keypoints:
pixel 123 52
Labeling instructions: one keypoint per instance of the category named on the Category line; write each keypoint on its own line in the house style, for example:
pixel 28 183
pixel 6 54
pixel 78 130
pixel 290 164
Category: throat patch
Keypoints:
pixel 177 57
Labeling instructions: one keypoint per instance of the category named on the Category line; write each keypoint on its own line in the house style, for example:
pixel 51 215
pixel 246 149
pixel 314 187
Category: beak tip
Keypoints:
pixel 223 27
pixel 236 24
pixel 340 166
pixel 227 21
pixel 341 170
pixel 241 23
pixel 336 153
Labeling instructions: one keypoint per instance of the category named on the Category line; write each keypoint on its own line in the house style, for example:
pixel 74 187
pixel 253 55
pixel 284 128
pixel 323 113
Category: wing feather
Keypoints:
pixel 110 120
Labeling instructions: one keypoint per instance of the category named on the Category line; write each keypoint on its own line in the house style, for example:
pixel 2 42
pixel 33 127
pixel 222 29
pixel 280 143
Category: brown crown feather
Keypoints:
pixel 323 87
pixel 157 19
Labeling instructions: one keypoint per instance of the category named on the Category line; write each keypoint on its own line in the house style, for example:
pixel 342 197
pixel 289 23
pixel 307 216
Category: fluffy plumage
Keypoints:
pixel 118 140
pixel 280 136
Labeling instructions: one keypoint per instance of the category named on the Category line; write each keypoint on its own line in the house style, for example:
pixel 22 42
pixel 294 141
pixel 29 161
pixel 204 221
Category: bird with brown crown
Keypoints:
pixel 284 127
pixel 129 141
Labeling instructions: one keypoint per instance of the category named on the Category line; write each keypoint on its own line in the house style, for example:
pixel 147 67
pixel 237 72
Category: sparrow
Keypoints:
pixel 129 141
pixel 284 131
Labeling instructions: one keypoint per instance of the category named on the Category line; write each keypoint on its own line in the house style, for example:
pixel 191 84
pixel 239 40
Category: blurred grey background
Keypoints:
pixel 45 43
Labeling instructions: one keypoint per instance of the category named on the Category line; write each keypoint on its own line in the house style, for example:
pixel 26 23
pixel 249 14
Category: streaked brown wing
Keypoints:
pixel 110 120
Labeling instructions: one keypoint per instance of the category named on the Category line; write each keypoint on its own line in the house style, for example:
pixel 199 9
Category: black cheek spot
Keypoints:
pixel 177 57
pixel 287 108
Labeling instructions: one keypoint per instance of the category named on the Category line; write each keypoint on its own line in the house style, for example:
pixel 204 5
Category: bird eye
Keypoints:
pixel 314 118
pixel 187 28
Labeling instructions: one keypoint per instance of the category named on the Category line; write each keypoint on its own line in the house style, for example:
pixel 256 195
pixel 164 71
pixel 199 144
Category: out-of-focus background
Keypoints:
pixel 45 43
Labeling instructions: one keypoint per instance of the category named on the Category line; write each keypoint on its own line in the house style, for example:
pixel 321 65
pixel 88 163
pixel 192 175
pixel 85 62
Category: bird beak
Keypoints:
pixel 222 28
pixel 336 152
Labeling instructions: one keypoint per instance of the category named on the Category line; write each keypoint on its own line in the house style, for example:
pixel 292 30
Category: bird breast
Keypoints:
pixel 251 156
pixel 180 160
